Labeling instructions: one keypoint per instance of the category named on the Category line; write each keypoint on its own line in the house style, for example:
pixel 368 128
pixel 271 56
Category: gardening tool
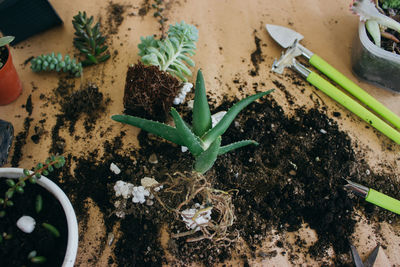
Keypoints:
pixel 369 262
pixel 288 59
pixel 285 37
pixel 374 196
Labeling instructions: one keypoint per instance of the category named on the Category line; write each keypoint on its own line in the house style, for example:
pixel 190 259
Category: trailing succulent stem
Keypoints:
pixel 52 62
pixel 202 140
pixel 171 54
pixel 17 186
pixel 89 40
pixel 159 8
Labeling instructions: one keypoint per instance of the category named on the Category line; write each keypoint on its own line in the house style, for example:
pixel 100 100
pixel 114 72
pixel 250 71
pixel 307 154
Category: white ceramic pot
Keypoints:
pixel 374 64
pixel 73 236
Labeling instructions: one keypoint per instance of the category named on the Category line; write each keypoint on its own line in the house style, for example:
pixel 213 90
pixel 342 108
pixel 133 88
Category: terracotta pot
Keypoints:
pixel 73 236
pixel 10 84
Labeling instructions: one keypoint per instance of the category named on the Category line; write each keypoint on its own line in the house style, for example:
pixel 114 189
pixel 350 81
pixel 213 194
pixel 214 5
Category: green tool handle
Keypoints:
pixel 355 90
pixel 353 106
pixel 383 201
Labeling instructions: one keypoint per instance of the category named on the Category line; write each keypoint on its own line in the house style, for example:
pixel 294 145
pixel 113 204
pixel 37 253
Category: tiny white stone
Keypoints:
pixel 26 224
pixel 190 104
pixel 202 219
pixel 140 194
pixel 176 101
pixel 323 131
pixel 123 189
pixel 184 149
pixel 114 168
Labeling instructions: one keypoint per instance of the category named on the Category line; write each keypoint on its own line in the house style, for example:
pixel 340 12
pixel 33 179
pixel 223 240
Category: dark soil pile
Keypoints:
pixel 294 176
pixel 149 92
pixel 14 251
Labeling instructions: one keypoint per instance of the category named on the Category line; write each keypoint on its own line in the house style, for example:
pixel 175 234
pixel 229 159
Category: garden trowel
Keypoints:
pixel 286 37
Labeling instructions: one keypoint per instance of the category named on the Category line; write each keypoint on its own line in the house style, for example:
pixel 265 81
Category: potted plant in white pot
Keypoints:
pixel 370 61
pixel 32 230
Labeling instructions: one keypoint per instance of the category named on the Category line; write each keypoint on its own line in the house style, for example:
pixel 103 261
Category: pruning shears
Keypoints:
pixel 288 38
pixel 369 262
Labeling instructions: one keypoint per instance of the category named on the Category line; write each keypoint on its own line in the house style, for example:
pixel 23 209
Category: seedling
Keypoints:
pixel 89 40
pixel 204 143
pixel 171 54
pixel 375 21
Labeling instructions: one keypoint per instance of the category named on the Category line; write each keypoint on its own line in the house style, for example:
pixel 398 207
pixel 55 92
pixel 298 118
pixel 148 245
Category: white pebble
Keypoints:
pixel 26 224
pixel 323 131
pixel 114 168
pixel 123 189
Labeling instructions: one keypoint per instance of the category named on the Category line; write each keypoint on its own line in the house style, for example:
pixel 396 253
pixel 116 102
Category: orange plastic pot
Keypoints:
pixel 10 84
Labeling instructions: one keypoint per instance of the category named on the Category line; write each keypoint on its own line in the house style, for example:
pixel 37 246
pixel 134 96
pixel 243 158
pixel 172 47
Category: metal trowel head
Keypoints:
pixel 285 37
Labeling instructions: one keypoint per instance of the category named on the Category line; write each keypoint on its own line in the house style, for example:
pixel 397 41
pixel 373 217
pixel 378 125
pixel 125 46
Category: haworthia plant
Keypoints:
pixel 202 140
pixel 89 40
pixel 171 53
pixel 52 62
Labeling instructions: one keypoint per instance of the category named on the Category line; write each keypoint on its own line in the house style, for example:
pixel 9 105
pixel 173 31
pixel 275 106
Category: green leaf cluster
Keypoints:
pixel 89 40
pixel 171 54
pixel 201 139
pixel 52 62
pixel 390 4
pixel 17 185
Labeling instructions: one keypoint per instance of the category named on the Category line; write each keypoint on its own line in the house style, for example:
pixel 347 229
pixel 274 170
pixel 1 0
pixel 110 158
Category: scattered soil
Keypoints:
pixel 256 57
pixel 20 141
pixel 115 17
pixel 14 251
pixel 149 92
pixel 28 106
pixel 6 138
pixel 294 177
pixel 144 8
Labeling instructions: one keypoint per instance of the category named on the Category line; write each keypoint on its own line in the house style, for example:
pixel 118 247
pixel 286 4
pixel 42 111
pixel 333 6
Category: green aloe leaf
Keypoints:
pixel 201 111
pixel 165 131
pixel 236 145
pixel 206 159
pixel 191 141
pixel 224 123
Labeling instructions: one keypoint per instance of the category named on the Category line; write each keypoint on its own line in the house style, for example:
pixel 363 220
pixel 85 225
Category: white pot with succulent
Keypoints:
pixel 16 189
pixel 370 62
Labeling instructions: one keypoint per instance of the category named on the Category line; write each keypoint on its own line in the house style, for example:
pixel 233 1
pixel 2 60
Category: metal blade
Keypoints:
pixel 356 257
pixel 372 257
pixel 285 37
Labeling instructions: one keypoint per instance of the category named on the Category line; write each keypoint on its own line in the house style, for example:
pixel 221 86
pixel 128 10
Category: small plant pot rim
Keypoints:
pixel 73 236
pixel 374 64
pixel 10 84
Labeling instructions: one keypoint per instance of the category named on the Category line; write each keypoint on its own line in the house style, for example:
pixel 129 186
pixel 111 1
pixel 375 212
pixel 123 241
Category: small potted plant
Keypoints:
pixel 10 84
pixel 37 222
pixel 370 61
pixel 160 78
pixel 190 195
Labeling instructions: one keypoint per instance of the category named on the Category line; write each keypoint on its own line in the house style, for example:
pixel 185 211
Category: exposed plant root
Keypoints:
pixel 191 188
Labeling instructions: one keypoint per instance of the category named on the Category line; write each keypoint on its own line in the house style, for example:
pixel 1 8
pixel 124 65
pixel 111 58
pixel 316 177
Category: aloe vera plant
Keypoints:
pixel 171 54
pixel 202 140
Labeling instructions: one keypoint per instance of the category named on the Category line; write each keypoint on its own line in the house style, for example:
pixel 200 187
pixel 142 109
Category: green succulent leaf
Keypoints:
pixel 6 40
pixel 160 129
pixel 191 141
pixel 201 121
pixel 236 145
pixel 52 229
pixel 171 54
pixel 206 159
pixel 51 62
pixel 224 123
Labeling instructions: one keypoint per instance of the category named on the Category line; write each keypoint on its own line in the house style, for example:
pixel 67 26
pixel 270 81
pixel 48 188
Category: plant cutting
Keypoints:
pixel 152 88
pixel 34 229
pixel 52 62
pixel 10 84
pixel 202 207
pixel 376 59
